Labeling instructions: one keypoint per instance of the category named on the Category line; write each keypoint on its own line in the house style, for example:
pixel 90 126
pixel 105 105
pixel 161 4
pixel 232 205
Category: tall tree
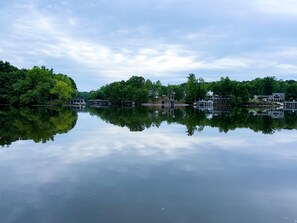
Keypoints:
pixel 192 86
pixel 269 84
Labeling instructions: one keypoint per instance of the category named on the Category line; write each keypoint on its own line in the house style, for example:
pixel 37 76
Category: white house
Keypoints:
pixel 277 97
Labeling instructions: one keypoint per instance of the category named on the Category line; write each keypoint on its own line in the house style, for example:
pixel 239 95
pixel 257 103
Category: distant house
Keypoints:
pixel 210 95
pixel 277 97
pixel 218 99
pixel 78 101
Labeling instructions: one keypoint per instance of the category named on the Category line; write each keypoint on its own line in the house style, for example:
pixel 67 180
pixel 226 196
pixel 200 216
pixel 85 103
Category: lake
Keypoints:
pixel 147 165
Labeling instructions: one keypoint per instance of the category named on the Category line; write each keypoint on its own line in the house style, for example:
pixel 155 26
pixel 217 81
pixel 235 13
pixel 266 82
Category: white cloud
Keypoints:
pixel 69 42
pixel 288 52
pixel 278 7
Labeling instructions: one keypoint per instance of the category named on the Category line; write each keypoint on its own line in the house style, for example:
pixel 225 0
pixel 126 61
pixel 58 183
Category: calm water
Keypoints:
pixel 147 165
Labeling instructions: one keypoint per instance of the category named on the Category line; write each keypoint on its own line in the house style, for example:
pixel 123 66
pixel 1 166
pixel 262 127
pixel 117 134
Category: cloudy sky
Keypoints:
pixel 96 42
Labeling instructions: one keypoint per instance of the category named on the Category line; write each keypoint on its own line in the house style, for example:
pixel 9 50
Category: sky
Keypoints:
pixel 98 42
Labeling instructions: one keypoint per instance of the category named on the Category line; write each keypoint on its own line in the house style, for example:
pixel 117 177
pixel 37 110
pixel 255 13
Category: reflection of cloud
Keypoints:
pixel 162 144
pixel 152 143
pixel 93 140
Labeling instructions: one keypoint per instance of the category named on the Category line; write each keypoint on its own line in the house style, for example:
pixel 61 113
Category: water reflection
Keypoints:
pixel 39 123
pixel 99 172
pixel 138 119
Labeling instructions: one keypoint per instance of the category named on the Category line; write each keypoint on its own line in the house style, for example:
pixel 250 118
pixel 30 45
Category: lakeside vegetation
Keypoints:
pixel 36 86
pixel 40 85
pixel 142 90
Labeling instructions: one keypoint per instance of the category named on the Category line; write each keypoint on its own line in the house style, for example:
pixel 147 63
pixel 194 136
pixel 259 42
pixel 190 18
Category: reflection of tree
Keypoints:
pixel 39 124
pixel 240 118
pixel 137 119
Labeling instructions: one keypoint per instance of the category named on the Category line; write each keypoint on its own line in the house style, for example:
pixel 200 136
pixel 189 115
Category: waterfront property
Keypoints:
pixel 274 97
pixel 277 97
pixel 78 101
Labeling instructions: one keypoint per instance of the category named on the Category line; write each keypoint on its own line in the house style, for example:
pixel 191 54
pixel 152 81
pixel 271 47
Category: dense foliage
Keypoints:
pixel 137 89
pixel 141 90
pixel 38 85
pixel 241 91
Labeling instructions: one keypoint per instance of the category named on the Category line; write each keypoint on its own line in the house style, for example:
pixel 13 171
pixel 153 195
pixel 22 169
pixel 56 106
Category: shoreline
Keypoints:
pixel 165 105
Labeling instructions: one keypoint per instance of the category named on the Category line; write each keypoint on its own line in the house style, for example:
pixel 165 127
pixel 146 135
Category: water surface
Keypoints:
pixel 147 165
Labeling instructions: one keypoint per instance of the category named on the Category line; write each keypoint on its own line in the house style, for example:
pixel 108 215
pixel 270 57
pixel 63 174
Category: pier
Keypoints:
pixel 290 105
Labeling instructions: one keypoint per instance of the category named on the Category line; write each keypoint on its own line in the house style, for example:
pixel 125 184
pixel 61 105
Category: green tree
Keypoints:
pixel 269 85
pixel 192 86
pixel 291 93
pixel 63 91
pixel 9 75
pixel 35 88
pixel 224 87
pixel 201 89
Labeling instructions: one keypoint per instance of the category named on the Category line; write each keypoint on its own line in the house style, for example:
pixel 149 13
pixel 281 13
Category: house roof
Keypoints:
pixel 279 94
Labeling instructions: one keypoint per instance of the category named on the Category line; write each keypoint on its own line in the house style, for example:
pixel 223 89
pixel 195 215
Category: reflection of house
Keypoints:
pixel 204 105
pixel 77 107
pixel 276 113
pixel 78 101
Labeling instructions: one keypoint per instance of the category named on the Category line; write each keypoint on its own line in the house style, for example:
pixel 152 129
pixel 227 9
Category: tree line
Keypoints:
pixel 38 85
pixel 141 90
